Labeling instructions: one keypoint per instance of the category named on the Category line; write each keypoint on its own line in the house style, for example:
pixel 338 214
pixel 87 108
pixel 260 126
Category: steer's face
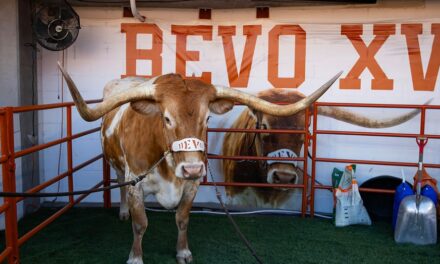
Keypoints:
pixel 280 145
pixel 184 107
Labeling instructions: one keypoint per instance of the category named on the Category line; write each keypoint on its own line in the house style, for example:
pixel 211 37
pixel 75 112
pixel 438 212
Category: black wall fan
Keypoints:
pixel 55 24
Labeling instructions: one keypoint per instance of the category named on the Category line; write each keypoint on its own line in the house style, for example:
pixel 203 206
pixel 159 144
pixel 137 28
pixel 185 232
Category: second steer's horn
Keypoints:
pixel 270 108
pixel 140 92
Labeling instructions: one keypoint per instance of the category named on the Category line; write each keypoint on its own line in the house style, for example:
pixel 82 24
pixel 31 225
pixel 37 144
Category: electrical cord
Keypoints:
pixel 254 212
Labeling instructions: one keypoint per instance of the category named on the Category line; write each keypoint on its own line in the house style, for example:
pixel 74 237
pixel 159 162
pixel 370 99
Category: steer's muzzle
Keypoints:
pixel 189 152
pixel 190 170
pixel 284 177
pixel 280 173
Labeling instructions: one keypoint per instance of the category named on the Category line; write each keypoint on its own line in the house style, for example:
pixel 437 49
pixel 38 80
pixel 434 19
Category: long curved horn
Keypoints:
pixel 140 92
pixel 363 121
pixel 271 108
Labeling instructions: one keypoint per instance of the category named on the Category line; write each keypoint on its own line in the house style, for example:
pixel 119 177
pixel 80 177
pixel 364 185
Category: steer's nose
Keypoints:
pixel 192 170
pixel 284 177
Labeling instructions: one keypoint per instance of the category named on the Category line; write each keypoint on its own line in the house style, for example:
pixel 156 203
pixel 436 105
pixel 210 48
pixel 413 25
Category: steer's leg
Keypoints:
pixel 135 198
pixel 182 218
pixel 123 207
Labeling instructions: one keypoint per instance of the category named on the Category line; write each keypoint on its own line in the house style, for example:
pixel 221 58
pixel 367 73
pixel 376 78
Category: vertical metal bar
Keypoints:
pixel 205 178
pixel 314 143
pixel 305 174
pixel 422 120
pixel 5 175
pixel 9 186
pixel 69 152
pixel 106 182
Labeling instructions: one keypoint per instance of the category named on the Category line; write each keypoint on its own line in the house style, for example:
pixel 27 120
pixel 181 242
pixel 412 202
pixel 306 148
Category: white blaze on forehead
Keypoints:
pixel 116 120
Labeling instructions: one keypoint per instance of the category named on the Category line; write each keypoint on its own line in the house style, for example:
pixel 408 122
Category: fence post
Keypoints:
pixel 106 182
pixel 305 169
pixel 422 120
pixel 314 144
pixel 69 151
pixel 8 171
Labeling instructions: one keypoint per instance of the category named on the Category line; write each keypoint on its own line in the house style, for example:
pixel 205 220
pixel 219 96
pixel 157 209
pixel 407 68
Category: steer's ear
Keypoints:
pixel 145 107
pixel 221 106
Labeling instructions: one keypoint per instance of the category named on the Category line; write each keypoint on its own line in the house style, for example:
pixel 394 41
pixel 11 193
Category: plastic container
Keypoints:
pixel 429 192
pixel 402 191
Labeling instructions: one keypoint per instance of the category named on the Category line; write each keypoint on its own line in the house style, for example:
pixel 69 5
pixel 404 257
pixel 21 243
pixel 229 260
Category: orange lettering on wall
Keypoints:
pixel 226 32
pixel 420 81
pixel 133 54
pixel 366 57
pixel 183 55
pixel 300 56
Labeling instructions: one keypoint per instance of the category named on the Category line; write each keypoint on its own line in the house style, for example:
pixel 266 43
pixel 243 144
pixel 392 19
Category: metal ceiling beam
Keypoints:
pixel 217 4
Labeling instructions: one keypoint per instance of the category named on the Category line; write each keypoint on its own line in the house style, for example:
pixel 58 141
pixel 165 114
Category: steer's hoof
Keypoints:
pixel 134 260
pixel 123 216
pixel 137 260
pixel 184 257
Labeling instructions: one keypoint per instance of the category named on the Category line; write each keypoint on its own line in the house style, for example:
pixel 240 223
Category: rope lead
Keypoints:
pixel 94 190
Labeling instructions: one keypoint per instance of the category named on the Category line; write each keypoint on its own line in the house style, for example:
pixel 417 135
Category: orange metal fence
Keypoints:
pixel 311 140
pixel 303 186
pixel 8 156
pixel 316 132
pixel 7 161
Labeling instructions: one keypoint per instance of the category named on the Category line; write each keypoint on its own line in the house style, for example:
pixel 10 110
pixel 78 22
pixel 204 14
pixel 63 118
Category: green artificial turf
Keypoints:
pixel 95 235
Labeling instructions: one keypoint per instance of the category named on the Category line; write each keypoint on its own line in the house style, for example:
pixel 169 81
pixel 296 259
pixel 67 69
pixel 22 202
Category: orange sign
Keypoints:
pixel 365 61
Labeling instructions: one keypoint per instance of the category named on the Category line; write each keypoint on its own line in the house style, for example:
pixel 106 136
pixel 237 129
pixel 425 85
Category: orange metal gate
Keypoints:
pixel 316 132
pixel 311 140
pixel 307 138
pixel 7 160
pixel 8 156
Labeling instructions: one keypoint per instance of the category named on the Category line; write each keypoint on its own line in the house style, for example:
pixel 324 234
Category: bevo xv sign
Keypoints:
pixel 349 38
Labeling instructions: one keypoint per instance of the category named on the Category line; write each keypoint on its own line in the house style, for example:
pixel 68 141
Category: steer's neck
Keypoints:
pixel 160 139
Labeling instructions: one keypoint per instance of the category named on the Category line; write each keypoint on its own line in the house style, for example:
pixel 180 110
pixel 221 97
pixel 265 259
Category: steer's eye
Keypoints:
pixel 168 121
pixel 263 126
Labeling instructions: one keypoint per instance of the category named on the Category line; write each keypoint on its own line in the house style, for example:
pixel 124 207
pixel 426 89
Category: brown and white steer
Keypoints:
pixel 278 145
pixel 144 119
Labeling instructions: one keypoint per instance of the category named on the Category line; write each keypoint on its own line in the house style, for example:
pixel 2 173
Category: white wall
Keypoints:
pixel 8 49
pixel 99 56
pixel 9 78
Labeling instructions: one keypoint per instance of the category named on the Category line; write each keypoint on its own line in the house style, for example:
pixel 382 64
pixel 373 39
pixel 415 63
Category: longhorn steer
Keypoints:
pixel 277 145
pixel 164 112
